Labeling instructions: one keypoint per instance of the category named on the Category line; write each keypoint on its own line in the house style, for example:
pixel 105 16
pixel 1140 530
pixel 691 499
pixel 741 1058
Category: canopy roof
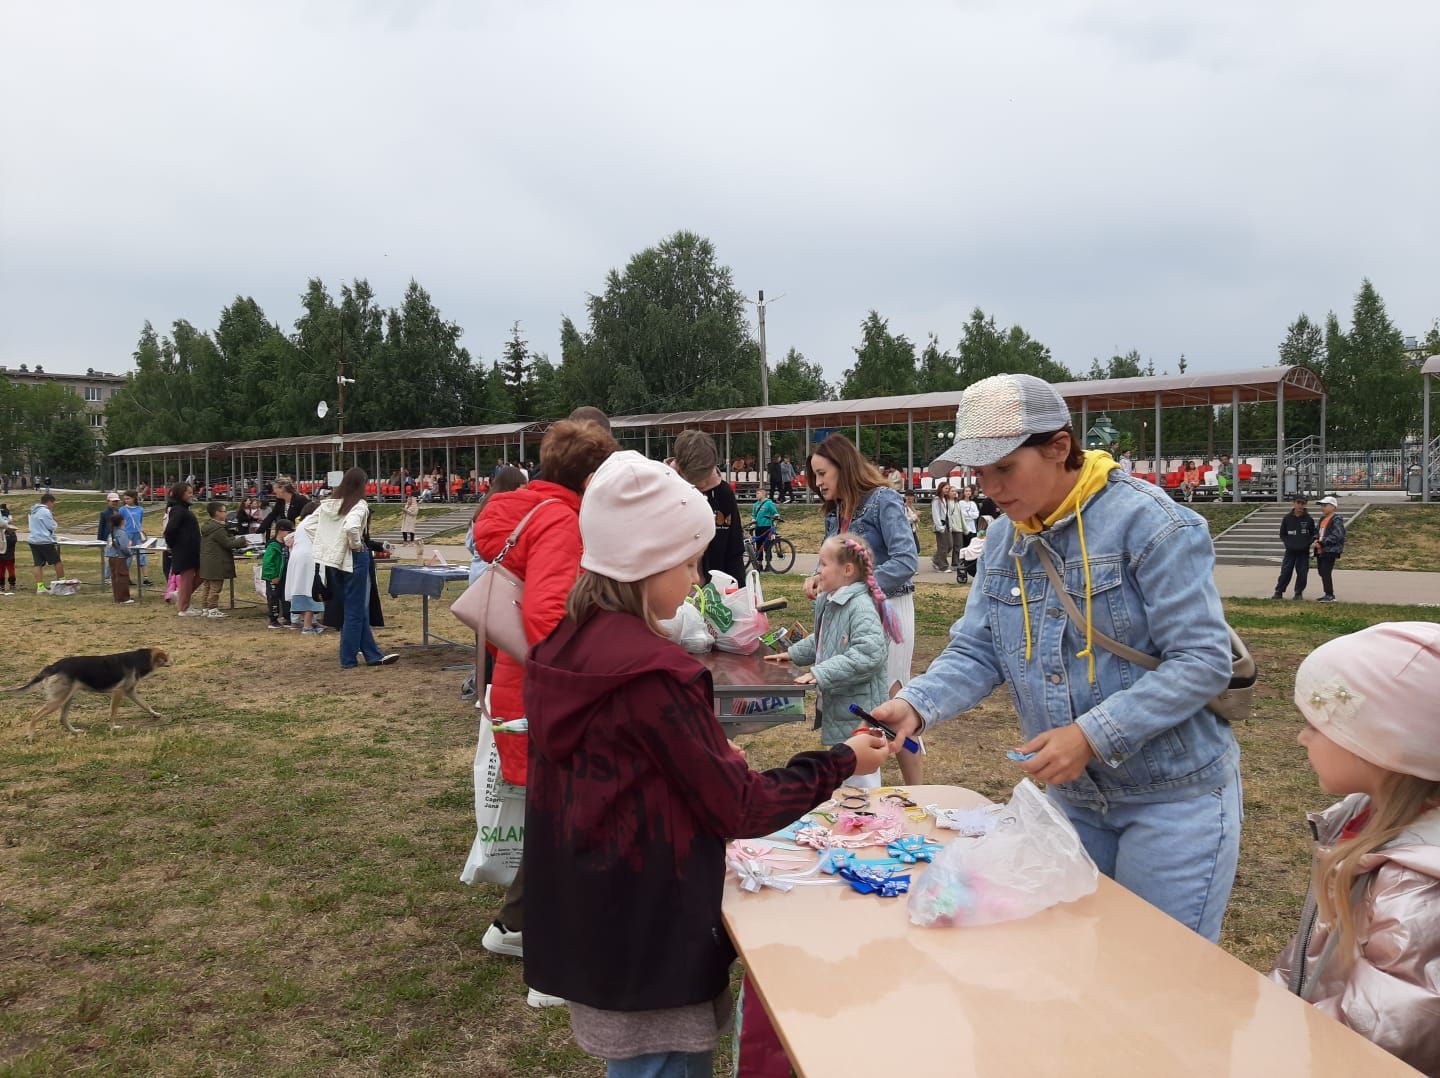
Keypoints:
pixel 1431 366
pixel 1112 394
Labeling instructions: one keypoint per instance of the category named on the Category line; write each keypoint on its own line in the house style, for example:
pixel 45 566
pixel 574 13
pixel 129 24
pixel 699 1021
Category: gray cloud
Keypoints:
pixel 1164 176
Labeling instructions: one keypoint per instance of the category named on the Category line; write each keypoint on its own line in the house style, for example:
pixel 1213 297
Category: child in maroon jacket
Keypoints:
pixel 633 789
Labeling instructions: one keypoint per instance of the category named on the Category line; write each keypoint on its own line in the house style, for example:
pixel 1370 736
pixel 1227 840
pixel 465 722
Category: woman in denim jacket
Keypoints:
pixel 858 500
pixel 1147 775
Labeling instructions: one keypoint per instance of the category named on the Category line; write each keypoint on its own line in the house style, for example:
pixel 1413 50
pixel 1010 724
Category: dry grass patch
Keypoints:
pixel 1395 537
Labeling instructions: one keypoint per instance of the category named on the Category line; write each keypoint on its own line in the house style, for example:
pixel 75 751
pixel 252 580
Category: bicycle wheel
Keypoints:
pixel 782 556
pixel 747 551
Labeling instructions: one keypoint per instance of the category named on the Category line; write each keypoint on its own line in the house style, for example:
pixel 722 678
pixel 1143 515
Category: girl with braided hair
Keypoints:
pixel 848 654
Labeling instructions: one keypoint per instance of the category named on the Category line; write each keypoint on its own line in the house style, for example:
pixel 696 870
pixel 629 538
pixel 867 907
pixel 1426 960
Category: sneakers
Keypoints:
pixel 127 602
pixel 540 999
pixel 1278 595
pixel 148 582
pixel 214 612
pixel 314 630
pixel 1326 599
pixel 386 660
pixel 500 940
pixel 191 613
pixel 273 625
pixel 41 590
pixel 1298 596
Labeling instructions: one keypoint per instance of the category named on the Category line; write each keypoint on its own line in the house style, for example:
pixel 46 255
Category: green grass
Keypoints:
pixel 1395 537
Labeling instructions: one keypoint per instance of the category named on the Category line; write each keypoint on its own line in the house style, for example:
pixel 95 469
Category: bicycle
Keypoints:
pixel 781 558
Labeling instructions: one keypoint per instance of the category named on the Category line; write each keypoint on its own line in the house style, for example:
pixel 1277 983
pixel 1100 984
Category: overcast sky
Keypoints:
pixel 1171 177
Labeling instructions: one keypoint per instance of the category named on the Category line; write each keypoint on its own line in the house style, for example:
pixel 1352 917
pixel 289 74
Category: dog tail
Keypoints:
pixel 33 681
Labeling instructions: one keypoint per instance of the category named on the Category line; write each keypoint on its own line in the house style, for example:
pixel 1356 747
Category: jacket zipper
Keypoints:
pixel 1309 913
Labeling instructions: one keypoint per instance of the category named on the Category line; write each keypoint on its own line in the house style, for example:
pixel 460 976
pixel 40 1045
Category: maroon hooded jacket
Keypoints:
pixel 633 793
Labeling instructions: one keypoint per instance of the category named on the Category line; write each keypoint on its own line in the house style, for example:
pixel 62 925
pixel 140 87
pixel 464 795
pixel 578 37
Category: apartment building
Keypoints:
pixel 94 387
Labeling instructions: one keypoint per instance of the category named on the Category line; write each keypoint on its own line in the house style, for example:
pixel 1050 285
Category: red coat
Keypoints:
pixel 546 558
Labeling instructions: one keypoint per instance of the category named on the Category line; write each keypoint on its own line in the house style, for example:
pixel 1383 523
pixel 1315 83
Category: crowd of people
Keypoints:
pixel 628 766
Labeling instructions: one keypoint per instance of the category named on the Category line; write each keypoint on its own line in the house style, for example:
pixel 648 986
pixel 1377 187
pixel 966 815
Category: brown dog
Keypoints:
pixel 113 674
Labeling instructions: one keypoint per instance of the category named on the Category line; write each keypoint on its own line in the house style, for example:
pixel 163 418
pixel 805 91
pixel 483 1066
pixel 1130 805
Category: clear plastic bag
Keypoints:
pixel 747 625
pixel 1030 861
pixel 689 629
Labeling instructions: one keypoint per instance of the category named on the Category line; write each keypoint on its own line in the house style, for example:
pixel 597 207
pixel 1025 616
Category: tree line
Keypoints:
pixel 668 332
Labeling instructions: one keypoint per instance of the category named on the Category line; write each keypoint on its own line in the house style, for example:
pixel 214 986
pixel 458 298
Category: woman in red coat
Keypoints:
pixel 547 558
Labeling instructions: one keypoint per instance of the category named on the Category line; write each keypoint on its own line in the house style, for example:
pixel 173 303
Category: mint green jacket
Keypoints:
pixel 849 656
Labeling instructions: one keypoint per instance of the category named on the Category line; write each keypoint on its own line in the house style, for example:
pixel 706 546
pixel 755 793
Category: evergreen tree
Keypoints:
pixel 938 373
pixel 796 379
pixel 519 377
pixel 884 363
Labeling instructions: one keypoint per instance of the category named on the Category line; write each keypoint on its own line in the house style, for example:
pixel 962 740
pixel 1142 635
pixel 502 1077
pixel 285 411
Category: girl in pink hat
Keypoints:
pixel 1368 949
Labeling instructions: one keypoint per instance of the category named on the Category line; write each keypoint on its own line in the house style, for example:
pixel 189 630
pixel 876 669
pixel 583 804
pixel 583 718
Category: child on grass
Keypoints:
pixel 8 538
pixel 217 558
pixel 848 653
pixel 633 789
pixel 1368 949
pixel 117 556
pixel 272 571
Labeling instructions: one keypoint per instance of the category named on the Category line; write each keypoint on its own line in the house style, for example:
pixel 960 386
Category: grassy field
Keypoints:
pixel 1395 537
pixel 266 883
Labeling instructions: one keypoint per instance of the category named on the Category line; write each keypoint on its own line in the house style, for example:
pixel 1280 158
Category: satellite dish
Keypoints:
pixel 322 409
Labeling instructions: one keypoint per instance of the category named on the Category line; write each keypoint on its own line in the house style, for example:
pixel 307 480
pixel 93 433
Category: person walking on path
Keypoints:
pixel 857 499
pixel 787 480
pixel 182 541
pixel 776 476
pixel 1297 532
pixel 337 534
pixel 1329 545
pixel 940 522
pixel 1147 774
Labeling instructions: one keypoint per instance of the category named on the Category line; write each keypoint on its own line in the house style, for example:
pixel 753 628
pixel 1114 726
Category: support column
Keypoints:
pixel 1324 468
pixel 1235 444
pixel 647 443
pixel 1427 481
pixel 1280 444
pixel 1159 467
pixel 729 460
pixel 857 434
pixel 1085 423
pixel 449 471
pixel 207 471
pixel 909 449
pixel 379 478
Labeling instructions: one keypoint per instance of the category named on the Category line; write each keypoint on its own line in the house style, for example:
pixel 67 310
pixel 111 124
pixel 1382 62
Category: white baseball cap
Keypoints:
pixel 999 414
pixel 1327 500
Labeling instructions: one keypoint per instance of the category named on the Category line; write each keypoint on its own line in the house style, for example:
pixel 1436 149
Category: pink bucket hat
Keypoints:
pixel 1374 693
pixel 638 518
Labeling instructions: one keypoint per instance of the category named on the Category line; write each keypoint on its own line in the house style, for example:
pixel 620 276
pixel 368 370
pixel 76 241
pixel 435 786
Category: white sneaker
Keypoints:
pixel 191 613
pixel 214 612
pixel 500 940
pixel 540 999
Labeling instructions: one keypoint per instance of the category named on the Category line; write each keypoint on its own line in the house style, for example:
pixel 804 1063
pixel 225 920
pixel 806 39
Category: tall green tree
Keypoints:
pixel 67 448
pixel 986 349
pixel 884 362
pixel 517 366
pixel 1380 402
pixel 796 379
pixel 939 371
pixel 670 332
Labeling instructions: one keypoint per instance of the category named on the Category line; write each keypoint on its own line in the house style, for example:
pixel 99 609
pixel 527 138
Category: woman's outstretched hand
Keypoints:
pixel 900 717
pixel 1060 754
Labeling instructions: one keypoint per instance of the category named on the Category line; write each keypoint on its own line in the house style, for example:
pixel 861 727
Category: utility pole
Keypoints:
pixel 764 452
pixel 340 380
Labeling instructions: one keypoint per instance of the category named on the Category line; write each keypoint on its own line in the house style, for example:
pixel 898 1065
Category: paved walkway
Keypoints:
pixel 1258 582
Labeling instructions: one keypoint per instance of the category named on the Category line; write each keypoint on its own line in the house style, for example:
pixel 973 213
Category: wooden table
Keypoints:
pixel 1107 985
pixel 740 677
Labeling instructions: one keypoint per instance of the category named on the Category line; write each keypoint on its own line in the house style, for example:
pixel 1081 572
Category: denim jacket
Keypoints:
pixel 1150 564
pixel 849 656
pixel 882 523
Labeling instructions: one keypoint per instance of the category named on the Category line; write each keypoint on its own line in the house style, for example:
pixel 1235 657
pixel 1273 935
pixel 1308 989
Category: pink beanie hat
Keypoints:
pixel 639 518
pixel 1375 693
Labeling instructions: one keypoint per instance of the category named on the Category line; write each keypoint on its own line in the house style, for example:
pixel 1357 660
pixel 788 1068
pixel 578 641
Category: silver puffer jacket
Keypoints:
pixel 1389 992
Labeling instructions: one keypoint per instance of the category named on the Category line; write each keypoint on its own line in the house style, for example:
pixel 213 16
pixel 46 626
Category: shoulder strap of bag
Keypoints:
pixel 1139 658
pixel 1242 663
pixel 515 535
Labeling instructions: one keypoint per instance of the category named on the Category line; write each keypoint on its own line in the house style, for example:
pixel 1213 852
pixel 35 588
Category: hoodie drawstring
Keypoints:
pixel 1088 652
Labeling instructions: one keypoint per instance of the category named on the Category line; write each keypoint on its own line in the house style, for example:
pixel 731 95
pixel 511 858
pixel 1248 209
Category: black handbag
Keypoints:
pixel 320 587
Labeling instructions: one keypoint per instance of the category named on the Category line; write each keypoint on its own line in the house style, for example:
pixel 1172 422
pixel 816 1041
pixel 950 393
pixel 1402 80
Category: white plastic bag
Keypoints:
pixel 748 624
pixel 499 818
pixel 256 570
pixel 688 629
pixel 1030 861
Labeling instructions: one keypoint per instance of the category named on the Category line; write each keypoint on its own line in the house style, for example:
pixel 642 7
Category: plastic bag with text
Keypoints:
pixel 1032 860
pixel 499 819
pixel 747 625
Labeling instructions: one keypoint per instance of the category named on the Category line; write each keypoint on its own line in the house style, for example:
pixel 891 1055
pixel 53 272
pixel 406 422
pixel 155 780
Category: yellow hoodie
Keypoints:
pixel 1094 474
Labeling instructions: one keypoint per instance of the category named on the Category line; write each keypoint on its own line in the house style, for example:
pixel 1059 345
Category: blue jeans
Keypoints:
pixel 663 1065
pixel 1179 856
pixel 355 635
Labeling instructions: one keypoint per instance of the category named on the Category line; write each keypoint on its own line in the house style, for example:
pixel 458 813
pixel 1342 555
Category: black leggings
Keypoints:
pixel 1325 565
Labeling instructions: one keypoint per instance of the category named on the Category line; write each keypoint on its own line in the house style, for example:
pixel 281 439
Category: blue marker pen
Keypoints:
pixel 870 720
pixel 1019 757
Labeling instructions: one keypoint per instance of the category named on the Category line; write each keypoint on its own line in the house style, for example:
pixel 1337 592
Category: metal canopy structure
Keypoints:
pixel 1235 388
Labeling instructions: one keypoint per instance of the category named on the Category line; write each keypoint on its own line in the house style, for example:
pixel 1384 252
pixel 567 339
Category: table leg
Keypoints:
pixel 425 620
